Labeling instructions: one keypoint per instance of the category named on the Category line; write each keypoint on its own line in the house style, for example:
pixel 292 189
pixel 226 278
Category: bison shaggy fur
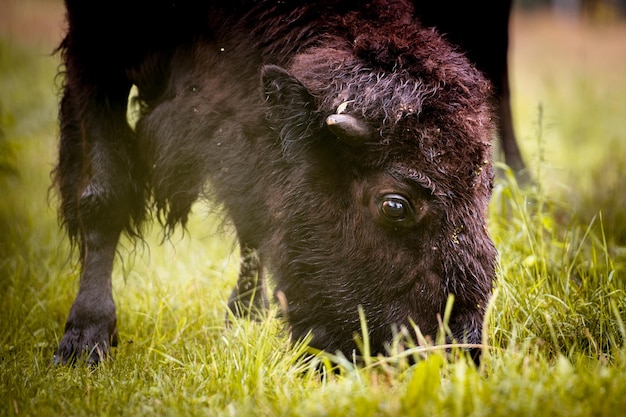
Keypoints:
pixel 379 207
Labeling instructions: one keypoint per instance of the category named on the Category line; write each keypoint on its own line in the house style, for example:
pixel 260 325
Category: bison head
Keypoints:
pixel 387 180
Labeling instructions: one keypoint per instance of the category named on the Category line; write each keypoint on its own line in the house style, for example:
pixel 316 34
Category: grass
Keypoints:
pixel 555 328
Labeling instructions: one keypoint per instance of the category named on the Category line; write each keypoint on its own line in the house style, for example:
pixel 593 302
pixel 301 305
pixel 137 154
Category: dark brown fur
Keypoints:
pixel 234 99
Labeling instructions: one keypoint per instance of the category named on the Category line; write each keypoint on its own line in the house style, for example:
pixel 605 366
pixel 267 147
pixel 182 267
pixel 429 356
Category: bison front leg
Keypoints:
pixel 91 329
pixel 249 297
pixel 100 194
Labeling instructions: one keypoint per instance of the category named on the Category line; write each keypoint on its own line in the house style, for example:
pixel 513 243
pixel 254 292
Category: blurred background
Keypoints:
pixel 594 9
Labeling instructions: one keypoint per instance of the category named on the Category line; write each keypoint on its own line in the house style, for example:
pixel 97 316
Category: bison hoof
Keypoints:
pixel 90 345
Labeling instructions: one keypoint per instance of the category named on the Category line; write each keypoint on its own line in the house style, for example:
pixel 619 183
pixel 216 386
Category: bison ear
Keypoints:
pixel 291 109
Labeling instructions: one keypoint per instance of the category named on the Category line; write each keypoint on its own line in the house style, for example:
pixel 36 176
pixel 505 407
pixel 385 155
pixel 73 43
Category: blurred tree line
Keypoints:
pixel 589 9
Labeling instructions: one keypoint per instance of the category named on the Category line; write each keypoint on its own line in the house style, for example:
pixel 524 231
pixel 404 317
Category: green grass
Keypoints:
pixel 555 334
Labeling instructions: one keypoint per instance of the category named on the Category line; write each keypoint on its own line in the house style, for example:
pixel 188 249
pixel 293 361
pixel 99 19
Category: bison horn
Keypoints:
pixel 348 129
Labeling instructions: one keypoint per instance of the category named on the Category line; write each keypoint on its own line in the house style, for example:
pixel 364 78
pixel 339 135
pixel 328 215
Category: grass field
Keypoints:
pixel 555 334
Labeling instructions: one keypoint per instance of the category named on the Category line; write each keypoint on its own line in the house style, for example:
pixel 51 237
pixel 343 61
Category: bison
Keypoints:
pixel 349 145
pixel 481 30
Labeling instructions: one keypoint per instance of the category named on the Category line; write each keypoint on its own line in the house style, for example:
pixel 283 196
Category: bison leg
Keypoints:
pixel 100 194
pixel 91 325
pixel 510 148
pixel 249 297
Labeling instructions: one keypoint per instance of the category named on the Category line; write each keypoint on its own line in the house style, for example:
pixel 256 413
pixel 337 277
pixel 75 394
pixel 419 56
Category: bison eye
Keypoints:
pixel 395 210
